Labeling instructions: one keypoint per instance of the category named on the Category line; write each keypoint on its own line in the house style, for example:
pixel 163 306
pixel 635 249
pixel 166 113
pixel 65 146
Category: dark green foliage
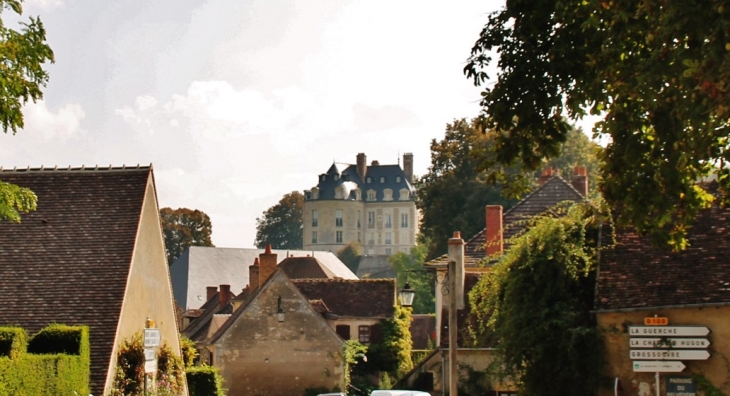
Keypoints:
pixel 353 353
pixel 204 381
pixel 656 73
pixel 535 305
pixel 472 382
pixel 350 255
pixel 281 225
pixel 393 353
pixel 50 373
pixel 56 339
pixel 130 376
pixel 189 351
pixel 13 342
pixel 419 280
pixel 183 228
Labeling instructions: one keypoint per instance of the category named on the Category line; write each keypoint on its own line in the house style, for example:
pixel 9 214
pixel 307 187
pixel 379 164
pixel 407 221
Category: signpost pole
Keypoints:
pixel 656 377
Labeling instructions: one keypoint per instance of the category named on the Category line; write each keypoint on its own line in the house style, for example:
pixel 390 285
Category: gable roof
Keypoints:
pixel 366 298
pixel 199 267
pixel 68 261
pixel 554 191
pixel 636 275
pixel 305 267
pixel 199 328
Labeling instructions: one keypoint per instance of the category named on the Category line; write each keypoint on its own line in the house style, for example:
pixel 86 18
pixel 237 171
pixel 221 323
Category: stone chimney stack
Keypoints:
pixel 580 180
pixel 253 274
pixel 267 264
pixel 547 173
pixel 494 232
pixel 225 295
pixel 408 166
pixel 362 165
pixel 210 291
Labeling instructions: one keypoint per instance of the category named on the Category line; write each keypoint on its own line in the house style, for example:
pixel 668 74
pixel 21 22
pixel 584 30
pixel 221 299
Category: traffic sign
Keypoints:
pixel 150 366
pixel 150 354
pixel 696 331
pixel 151 338
pixel 656 321
pixel 649 366
pixel 667 343
pixel 665 354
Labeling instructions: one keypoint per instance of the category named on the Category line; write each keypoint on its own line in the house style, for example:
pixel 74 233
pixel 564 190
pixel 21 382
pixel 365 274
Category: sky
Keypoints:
pixel 237 102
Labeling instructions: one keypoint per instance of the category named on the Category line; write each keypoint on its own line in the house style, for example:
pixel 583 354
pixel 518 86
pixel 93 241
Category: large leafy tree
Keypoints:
pixel 22 56
pixel 535 303
pixel 281 225
pixel 409 267
pixel 656 71
pixel 183 228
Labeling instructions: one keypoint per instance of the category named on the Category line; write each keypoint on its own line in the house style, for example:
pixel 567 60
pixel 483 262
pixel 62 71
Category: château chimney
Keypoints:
pixel 362 165
pixel 494 232
pixel 408 166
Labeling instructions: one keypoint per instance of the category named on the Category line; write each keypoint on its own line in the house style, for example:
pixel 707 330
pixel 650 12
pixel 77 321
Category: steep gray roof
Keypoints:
pixel 339 174
pixel 200 267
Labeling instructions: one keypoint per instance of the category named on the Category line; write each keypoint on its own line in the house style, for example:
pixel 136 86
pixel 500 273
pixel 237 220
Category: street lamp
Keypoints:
pixel 406 295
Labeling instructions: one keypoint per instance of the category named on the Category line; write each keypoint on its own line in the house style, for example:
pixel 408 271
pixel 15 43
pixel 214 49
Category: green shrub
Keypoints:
pixel 204 381
pixel 56 338
pixel 13 342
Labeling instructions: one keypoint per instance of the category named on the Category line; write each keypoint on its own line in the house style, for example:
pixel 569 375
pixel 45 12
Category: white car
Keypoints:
pixel 398 393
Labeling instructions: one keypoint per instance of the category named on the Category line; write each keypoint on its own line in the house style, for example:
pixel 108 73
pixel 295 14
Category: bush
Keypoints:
pixel 204 381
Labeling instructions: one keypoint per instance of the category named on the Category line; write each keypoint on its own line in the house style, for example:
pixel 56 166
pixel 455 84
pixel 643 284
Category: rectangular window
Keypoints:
pixel 364 334
pixel 388 221
pixel 338 235
pixel 404 220
pixel 358 219
pixel 371 219
pixel 371 238
pixel 388 238
pixel 343 331
pixel 338 218
pixel 371 195
pixel 314 236
pixel 315 218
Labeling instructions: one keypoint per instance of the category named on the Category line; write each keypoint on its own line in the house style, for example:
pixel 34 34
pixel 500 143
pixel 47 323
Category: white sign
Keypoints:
pixel 664 354
pixel 150 366
pixel 657 367
pixel 151 338
pixel 683 331
pixel 150 354
pixel 669 343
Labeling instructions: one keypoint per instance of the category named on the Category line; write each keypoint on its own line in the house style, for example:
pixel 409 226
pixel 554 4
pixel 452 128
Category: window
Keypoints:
pixel 358 238
pixel 388 238
pixel 404 194
pixel 368 180
pixel 314 237
pixel 404 220
pixel 371 238
pixel 364 334
pixel 338 236
pixel 315 218
pixel 397 179
pixel 382 179
pixel 322 177
pixel 338 218
pixel 337 177
pixel 388 221
pixel 371 219
pixel 387 194
pixel 343 331
pixel 371 195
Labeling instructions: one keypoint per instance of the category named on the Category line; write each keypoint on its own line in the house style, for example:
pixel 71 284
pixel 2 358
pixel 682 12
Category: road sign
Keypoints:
pixel 649 366
pixel 656 321
pixel 674 343
pixel 150 354
pixel 150 366
pixel 681 386
pixel 667 354
pixel 682 331
pixel 151 338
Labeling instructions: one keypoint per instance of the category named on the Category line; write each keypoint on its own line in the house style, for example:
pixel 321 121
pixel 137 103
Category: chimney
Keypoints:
pixel 375 163
pixel 547 173
pixel 362 165
pixel 494 232
pixel 210 291
pixel 267 265
pixel 408 166
pixel 580 180
pixel 225 295
pixel 253 274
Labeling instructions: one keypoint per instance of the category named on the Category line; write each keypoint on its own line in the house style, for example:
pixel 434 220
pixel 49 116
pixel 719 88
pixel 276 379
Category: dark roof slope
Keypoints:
pixel 634 274
pixel 393 175
pixel 551 193
pixel 304 267
pixel 68 261
pixel 367 298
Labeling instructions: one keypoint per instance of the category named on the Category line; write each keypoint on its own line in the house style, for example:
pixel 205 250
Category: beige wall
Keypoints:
pixel 260 356
pixel 716 369
pixel 149 291
pixel 354 324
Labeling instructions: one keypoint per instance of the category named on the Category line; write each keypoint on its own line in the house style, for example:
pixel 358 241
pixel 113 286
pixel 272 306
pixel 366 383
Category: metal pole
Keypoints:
pixel 656 376
pixel 453 367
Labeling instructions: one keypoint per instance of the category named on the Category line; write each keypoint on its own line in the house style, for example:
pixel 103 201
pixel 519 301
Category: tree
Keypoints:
pixel 658 74
pixel 282 225
pixel 350 255
pixel 22 56
pixel 410 266
pixel 183 228
pixel 535 303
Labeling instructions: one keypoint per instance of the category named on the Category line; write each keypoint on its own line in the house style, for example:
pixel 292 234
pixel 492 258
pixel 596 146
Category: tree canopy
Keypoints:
pixel 22 56
pixel 183 228
pixel 410 267
pixel 534 306
pixel 281 225
pixel 655 71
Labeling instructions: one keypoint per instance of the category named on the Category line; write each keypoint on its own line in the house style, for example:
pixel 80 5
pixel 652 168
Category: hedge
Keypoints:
pixel 204 381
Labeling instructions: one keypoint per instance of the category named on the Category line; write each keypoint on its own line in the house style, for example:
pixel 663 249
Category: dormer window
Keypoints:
pixel 387 194
pixel 323 178
pixel 371 195
pixel 337 177
pixel 368 180
pixel 382 179
pixel 397 179
pixel 404 194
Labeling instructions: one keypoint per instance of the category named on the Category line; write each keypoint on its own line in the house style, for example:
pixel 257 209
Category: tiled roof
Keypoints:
pixel 551 193
pixel 463 316
pixel 68 261
pixel 634 274
pixel 199 328
pixel 368 298
pixel 304 267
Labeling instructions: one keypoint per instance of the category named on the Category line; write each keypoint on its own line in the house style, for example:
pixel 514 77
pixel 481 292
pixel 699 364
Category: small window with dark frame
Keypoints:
pixel 343 331
pixel 364 334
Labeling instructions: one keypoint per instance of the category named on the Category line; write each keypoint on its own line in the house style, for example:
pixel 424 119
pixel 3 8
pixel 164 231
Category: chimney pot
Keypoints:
pixel 580 180
pixel 267 265
pixel 225 295
pixel 210 291
pixel 268 248
pixel 253 275
pixel 494 232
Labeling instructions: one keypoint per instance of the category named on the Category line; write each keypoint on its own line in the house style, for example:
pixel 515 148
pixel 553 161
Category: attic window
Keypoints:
pixel 368 180
pixel 382 179
pixel 337 177
pixel 397 179
pixel 323 178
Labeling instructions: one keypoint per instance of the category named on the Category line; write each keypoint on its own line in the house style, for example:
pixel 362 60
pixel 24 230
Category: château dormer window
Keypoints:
pixel 382 179
pixel 371 195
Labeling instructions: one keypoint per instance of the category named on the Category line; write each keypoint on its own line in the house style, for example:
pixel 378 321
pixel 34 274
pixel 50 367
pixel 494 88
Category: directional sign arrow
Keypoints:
pixel 657 366
pixel 667 354
pixel 686 331
pixel 673 343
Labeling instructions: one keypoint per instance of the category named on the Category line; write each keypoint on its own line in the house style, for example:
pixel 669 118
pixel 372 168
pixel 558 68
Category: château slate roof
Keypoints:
pixel 366 298
pixel 552 192
pixel 635 275
pixel 68 261
pixel 339 174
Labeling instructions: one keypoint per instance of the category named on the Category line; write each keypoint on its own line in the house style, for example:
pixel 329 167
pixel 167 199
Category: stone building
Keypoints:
pixel 373 205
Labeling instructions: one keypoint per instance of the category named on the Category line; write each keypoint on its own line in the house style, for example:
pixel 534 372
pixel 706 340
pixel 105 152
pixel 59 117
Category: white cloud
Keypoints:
pixel 45 5
pixel 145 102
pixel 62 124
